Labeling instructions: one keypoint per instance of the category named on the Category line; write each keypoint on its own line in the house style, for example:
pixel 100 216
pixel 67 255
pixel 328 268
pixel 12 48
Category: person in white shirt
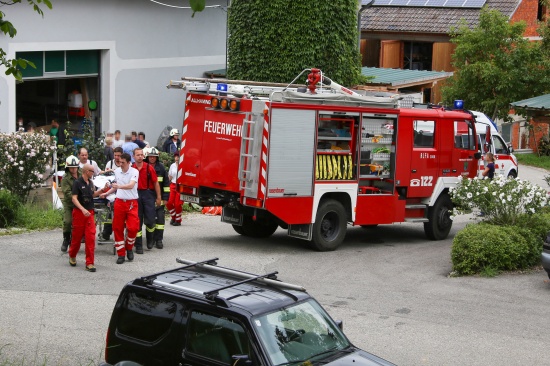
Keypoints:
pixel 83 157
pixel 125 209
pixel 115 163
pixel 174 204
pixel 117 141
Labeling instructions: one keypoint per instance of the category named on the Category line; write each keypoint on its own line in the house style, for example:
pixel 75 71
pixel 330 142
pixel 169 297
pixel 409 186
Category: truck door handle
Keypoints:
pixel 290 194
pixel 220 183
pixel 454 170
pixel 413 171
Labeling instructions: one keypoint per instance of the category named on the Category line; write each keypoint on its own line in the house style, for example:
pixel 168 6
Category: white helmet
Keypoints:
pixel 153 152
pixel 174 131
pixel 71 162
pixel 146 151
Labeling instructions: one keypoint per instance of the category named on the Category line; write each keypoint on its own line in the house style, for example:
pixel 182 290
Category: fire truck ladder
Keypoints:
pixel 250 155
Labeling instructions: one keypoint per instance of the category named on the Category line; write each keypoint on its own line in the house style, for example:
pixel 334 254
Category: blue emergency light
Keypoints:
pixel 221 88
pixel 458 104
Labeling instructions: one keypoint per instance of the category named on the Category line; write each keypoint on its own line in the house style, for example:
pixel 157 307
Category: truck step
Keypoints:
pixel 416 219
pixel 415 206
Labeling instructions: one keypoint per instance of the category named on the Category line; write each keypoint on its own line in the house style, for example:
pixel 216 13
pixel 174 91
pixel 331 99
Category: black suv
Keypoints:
pixel 205 314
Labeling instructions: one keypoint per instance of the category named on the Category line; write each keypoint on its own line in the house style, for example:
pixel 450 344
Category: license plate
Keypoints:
pixel 191 199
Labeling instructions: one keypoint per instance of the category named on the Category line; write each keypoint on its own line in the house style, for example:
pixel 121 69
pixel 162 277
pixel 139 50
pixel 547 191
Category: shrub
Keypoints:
pixel 24 159
pixel 490 248
pixel 87 138
pixel 9 205
pixel 502 200
pixel 539 224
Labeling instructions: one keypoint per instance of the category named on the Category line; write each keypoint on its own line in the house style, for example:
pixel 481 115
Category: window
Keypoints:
pixel 424 133
pixel 299 333
pixel 217 338
pixel 144 317
pixel 500 146
pixel 464 137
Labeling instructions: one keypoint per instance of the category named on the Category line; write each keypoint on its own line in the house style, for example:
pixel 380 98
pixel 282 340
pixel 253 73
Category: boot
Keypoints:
pixel 138 246
pixel 149 238
pixel 159 244
pixel 66 242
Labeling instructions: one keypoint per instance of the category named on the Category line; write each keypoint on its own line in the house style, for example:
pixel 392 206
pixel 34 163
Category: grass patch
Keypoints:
pixel 534 160
pixel 32 218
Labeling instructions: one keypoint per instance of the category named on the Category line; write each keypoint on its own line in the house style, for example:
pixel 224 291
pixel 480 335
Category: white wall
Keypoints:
pixel 143 44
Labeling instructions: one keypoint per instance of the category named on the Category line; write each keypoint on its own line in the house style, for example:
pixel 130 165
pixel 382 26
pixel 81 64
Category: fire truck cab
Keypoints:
pixel 314 162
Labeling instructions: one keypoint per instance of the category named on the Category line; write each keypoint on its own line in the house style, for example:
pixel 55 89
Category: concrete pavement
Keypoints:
pixel 388 284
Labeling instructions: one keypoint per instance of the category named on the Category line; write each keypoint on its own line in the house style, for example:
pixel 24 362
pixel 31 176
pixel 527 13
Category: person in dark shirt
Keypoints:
pixel 489 171
pixel 83 217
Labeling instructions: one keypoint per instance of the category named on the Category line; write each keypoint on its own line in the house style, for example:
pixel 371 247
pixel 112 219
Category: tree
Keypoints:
pixel 495 65
pixel 275 40
pixel 13 65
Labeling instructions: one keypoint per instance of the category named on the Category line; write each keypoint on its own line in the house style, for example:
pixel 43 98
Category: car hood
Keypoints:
pixel 360 358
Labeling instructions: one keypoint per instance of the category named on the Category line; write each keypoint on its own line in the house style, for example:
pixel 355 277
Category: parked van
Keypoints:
pixel 491 141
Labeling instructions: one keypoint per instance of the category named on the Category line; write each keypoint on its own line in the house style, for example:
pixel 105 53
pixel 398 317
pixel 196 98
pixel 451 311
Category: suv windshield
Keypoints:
pixel 298 333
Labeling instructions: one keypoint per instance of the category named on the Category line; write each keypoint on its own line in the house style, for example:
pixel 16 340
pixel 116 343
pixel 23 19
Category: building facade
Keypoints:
pixel 116 56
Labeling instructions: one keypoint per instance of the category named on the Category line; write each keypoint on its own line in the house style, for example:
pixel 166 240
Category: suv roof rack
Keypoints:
pixel 210 265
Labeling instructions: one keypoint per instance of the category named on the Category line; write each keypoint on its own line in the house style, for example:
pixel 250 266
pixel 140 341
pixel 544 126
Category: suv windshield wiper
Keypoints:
pixel 333 349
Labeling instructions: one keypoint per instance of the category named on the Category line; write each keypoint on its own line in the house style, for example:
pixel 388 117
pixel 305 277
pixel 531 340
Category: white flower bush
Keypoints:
pixel 500 200
pixel 24 158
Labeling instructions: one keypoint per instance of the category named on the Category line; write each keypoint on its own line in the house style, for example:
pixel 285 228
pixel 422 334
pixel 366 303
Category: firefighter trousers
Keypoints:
pixel 147 215
pixel 159 227
pixel 125 212
pixel 83 226
pixel 174 204
pixel 67 218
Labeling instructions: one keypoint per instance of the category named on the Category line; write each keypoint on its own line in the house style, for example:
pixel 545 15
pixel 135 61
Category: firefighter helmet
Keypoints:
pixel 174 131
pixel 146 151
pixel 71 162
pixel 153 152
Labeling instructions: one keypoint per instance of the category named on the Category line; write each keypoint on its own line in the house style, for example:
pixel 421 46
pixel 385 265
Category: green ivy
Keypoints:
pixel 274 41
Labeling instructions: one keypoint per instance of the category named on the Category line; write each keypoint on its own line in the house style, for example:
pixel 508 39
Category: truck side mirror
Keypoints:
pixel 340 324
pixel 477 155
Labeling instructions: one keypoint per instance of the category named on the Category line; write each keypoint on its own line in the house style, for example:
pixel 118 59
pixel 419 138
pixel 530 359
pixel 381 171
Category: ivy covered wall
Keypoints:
pixel 275 40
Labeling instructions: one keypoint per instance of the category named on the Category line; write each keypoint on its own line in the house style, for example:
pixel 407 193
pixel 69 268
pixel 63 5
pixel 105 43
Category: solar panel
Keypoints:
pixel 454 3
pixel 431 3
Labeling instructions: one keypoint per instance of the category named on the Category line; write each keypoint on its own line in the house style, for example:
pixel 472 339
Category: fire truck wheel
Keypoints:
pixel 439 224
pixel 329 229
pixel 261 228
pixel 238 229
pixel 513 174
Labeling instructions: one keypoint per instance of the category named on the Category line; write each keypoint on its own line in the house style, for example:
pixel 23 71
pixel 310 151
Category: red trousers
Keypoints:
pixel 174 204
pixel 83 226
pixel 125 214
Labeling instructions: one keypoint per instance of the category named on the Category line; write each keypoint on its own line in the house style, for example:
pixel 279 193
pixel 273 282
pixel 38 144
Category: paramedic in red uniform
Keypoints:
pixel 83 217
pixel 149 199
pixel 174 204
pixel 126 208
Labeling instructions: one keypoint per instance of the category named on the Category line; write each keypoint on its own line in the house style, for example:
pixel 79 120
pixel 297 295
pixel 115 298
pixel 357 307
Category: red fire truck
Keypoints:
pixel 313 160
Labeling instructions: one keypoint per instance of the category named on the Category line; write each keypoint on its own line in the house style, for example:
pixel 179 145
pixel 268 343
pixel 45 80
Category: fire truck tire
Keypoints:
pixel 329 229
pixel 261 228
pixel 440 223
pixel 238 229
pixel 513 174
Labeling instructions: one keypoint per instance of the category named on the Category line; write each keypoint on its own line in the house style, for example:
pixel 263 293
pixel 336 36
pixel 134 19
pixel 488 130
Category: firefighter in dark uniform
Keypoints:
pixel 149 199
pixel 71 174
pixel 152 157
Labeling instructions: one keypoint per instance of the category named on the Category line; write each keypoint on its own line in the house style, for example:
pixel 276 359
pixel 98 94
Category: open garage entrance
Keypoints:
pixel 65 85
